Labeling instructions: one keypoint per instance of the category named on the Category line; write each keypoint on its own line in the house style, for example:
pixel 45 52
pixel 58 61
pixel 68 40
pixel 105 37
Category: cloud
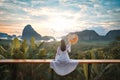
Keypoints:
pixel 20 2
pixel 97 6
pixel 83 18
pixel 63 1
pixel 67 15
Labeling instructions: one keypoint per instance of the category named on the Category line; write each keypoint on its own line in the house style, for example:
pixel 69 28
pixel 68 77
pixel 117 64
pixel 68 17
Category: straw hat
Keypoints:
pixel 72 38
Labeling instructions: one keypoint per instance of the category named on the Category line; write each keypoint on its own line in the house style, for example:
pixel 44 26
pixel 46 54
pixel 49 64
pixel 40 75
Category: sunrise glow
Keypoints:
pixel 59 17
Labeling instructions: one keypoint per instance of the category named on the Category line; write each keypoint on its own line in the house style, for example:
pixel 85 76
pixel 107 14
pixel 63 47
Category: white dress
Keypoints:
pixel 62 64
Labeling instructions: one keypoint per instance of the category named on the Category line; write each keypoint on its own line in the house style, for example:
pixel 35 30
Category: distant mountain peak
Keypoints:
pixel 91 35
pixel 28 26
pixel 113 34
pixel 29 32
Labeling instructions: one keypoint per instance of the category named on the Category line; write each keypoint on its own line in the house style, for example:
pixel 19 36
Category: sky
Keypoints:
pixel 59 17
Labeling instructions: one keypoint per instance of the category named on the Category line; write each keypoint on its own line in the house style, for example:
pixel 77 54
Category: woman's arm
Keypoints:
pixel 57 53
pixel 69 47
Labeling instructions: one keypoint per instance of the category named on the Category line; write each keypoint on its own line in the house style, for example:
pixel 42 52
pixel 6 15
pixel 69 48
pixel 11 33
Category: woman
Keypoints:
pixel 62 52
pixel 63 65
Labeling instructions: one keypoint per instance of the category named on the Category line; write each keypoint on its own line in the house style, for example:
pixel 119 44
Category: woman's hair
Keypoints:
pixel 63 46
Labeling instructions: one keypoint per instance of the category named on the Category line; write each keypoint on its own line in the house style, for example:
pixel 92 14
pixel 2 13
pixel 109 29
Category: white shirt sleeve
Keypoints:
pixel 57 53
pixel 58 50
pixel 69 47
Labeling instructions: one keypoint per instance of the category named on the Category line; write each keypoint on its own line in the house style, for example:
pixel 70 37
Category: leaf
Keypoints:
pixel 2 57
pixel 2 49
pixel 85 70
pixel 15 43
pixel 94 66
pixel 32 42
pixel 24 46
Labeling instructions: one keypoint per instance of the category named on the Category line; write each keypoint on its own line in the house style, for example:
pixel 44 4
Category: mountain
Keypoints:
pixel 88 35
pixel 48 38
pixel 111 35
pixel 3 35
pixel 91 35
pixel 29 32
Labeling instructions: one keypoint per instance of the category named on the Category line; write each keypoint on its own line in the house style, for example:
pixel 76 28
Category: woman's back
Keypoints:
pixel 62 64
pixel 62 55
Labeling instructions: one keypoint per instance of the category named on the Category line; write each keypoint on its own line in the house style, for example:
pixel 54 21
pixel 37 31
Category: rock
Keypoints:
pixel 29 32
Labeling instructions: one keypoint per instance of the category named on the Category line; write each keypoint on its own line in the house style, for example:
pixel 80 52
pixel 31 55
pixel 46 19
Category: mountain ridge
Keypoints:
pixel 91 35
pixel 85 35
pixel 29 32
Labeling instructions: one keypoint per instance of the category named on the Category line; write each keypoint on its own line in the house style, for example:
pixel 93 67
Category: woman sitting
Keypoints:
pixel 62 64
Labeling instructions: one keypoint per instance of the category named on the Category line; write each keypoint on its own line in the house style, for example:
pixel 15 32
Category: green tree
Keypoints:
pixel 15 43
pixel 32 43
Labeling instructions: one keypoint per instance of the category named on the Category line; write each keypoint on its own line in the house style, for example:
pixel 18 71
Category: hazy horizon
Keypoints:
pixel 59 17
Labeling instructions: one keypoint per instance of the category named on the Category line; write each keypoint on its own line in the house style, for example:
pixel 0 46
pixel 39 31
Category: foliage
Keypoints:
pixel 15 43
pixel 85 70
pixel 24 47
pixel 32 43
pixel 46 50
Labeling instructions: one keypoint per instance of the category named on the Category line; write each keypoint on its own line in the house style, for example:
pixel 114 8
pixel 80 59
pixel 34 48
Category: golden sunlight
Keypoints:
pixel 60 24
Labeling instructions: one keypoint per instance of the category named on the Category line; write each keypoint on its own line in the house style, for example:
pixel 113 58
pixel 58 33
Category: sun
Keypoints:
pixel 60 24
